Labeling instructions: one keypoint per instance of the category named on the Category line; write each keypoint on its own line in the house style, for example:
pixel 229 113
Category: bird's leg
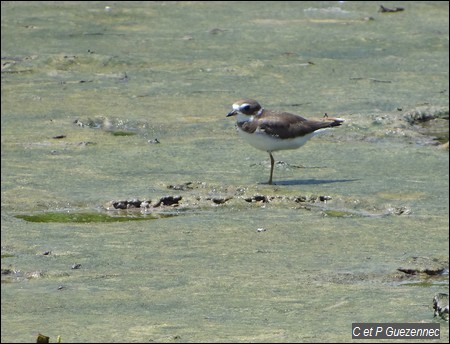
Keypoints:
pixel 272 162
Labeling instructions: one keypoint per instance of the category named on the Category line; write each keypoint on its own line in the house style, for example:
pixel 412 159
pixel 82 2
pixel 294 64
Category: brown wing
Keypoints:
pixel 286 125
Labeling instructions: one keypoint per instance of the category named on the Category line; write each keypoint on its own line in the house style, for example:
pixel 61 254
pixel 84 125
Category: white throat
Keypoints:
pixel 243 118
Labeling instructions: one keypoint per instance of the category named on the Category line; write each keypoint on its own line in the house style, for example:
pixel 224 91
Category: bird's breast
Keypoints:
pixel 268 143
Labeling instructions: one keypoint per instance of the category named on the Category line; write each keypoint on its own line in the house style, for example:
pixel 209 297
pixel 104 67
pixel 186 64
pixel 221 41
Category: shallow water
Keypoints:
pixel 296 268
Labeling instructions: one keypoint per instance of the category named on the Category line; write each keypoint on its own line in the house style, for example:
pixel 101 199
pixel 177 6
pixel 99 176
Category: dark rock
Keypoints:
pixel 425 114
pixel 134 203
pixel 184 186
pixel 220 200
pixel 120 205
pixel 390 10
pixel 168 200
pixel 440 305
pixel 257 198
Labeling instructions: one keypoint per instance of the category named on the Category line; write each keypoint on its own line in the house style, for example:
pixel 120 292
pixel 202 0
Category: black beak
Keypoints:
pixel 232 113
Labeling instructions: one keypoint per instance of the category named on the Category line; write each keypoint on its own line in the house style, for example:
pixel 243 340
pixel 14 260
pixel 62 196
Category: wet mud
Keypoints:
pixel 131 209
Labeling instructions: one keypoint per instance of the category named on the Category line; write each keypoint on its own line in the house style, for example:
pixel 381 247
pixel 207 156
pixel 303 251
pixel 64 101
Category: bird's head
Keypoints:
pixel 245 108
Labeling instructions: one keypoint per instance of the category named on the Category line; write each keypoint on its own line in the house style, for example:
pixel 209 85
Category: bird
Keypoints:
pixel 273 131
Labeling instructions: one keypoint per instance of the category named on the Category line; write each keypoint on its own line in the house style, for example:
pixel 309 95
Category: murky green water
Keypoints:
pixel 88 92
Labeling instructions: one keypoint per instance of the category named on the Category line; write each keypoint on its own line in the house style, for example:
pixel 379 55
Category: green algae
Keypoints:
pixel 337 213
pixel 122 133
pixel 70 217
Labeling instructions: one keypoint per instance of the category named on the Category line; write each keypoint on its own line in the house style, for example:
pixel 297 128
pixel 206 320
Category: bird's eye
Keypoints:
pixel 244 107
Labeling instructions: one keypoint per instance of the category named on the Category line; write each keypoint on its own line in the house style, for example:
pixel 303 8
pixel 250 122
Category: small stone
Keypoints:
pixel 168 200
pixel 324 198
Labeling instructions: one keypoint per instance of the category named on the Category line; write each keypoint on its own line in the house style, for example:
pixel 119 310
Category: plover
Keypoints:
pixel 273 131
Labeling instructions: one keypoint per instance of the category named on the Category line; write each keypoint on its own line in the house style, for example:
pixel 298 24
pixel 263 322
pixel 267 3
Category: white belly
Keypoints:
pixel 267 143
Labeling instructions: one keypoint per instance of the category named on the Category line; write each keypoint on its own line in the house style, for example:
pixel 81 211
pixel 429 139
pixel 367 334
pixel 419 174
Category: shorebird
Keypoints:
pixel 272 131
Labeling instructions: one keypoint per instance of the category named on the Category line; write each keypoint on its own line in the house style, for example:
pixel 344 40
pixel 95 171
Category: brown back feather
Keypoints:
pixel 286 125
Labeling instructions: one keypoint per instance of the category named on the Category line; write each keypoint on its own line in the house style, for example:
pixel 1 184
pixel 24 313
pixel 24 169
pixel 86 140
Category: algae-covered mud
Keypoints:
pixel 131 210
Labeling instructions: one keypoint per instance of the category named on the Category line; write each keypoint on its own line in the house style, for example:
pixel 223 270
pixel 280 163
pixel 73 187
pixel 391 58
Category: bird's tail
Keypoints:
pixel 331 121
pixel 335 122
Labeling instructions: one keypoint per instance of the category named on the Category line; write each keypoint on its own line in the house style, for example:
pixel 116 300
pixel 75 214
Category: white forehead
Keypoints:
pixel 238 107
